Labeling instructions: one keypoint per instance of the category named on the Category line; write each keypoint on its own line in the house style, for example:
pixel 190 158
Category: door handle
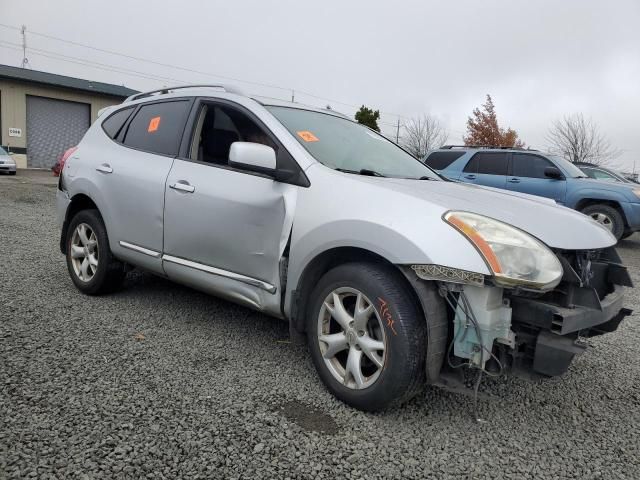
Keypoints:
pixel 183 186
pixel 470 177
pixel 105 168
pixel 514 180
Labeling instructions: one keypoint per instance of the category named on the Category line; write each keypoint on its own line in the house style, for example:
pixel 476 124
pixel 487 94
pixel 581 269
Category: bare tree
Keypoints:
pixel 423 134
pixel 579 140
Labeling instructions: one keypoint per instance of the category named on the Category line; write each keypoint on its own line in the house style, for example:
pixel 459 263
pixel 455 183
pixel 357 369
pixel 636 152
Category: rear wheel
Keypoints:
pixel 91 265
pixel 367 336
pixel 608 217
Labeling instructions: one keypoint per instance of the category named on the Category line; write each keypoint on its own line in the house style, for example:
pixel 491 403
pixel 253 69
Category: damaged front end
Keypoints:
pixel 531 333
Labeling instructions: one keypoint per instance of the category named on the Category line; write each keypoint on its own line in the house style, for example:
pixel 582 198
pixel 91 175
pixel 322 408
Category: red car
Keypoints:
pixel 57 168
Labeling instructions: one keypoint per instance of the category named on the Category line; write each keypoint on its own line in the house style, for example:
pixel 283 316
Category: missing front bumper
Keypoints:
pixel 548 336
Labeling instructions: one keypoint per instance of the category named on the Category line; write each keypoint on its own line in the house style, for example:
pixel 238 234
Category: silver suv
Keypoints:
pixel 397 276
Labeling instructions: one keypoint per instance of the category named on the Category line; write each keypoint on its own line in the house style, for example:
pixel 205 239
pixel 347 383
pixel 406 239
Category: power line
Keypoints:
pixel 90 63
pixel 190 70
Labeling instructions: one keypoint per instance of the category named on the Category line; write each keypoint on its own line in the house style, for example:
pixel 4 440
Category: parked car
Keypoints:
pixel 7 164
pixel 395 275
pixel 59 165
pixel 616 206
pixel 601 173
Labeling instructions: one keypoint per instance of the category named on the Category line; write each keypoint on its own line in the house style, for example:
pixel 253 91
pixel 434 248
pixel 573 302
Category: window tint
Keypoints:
pixel 158 127
pixel 532 166
pixel 488 163
pixel 114 123
pixel 441 160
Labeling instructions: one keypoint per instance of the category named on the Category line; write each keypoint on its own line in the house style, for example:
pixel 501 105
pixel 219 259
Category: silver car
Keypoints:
pixel 397 277
pixel 7 163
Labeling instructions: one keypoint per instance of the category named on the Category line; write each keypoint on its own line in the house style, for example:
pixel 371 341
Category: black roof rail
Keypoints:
pixel 165 90
pixel 493 147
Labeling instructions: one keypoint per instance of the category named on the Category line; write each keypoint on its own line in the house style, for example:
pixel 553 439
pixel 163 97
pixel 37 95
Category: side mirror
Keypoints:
pixel 253 156
pixel 553 172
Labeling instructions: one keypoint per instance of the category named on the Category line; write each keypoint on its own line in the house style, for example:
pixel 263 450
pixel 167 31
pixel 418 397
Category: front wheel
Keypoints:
pixel 608 217
pixel 367 336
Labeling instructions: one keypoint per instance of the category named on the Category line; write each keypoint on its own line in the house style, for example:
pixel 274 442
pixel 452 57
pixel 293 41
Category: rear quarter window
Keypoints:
pixel 114 123
pixel 158 127
pixel 441 160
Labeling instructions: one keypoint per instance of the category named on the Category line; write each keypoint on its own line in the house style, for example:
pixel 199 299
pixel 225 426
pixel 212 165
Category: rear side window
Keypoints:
pixel 158 127
pixel 441 160
pixel 531 166
pixel 488 163
pixel 116 121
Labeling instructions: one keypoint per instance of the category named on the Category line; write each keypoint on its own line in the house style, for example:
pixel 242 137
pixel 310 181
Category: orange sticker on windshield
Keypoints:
pixel 307 136
pixel 154 123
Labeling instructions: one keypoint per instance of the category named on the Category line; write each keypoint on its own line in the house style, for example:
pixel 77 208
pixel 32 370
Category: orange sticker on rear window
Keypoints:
pixel 307 136
pixel 154 123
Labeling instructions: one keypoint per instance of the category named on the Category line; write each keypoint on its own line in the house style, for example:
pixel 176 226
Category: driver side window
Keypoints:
pixel 217 128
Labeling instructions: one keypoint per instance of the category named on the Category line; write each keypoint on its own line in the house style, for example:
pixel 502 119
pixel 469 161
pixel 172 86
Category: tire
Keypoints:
pixel 103 273
pixel 12 173
pixel 395 321
pixel 608 216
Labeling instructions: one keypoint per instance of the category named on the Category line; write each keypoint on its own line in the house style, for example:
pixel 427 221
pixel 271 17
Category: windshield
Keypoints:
pixel 3 152
pixel 344 145
pixel 569 168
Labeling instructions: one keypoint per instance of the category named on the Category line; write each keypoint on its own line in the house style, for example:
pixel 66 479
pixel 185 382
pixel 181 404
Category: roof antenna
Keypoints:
pixel 25 60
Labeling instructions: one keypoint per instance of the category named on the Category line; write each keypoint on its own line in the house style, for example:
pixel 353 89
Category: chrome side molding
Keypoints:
pixel 139 249
pixel 223 273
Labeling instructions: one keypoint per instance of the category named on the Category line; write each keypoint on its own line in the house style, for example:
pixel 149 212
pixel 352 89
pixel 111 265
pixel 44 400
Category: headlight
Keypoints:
pixel 514 257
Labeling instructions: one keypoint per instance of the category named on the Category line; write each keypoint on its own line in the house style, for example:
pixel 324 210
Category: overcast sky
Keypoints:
pixel 539 59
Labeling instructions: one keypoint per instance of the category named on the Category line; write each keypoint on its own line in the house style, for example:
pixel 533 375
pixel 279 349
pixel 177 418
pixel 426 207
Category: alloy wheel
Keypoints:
pixel 352 338
pixel 84 252
pixel 603 220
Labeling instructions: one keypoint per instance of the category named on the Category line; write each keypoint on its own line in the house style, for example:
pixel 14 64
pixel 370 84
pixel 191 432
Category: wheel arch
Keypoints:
pixel 321 264
pixel 78 203
pixel 587 202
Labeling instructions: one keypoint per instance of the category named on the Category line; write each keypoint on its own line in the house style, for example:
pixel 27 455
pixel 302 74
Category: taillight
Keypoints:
pixel 66 155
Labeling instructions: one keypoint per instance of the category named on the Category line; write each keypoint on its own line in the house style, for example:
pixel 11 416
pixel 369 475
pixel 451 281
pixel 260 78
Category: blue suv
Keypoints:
pixel 614 205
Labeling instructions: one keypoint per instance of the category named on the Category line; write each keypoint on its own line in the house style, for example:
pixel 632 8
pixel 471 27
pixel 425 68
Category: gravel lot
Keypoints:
pixel 159 381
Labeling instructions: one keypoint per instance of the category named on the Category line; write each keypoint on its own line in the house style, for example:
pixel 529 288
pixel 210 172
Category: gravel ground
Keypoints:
pixel 159 381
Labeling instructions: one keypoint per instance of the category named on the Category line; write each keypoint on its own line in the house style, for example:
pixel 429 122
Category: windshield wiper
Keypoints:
pixel 362 171
pixel 428 178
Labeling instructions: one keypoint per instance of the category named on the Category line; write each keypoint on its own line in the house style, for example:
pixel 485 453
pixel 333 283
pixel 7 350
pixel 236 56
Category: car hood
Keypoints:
pixel 606 184
pixel 558 227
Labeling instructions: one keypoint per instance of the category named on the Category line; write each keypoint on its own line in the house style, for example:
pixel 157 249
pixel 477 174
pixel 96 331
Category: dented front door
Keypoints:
pixel 226 222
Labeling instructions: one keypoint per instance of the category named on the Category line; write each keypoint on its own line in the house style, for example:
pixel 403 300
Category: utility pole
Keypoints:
pixel 25 60
pixel 293 96
pixel 398 131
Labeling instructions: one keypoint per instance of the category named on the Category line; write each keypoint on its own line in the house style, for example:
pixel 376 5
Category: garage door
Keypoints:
pixel 52 127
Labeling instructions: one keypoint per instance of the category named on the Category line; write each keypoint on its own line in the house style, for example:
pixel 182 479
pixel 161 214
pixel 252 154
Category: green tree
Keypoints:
pixel 366 116
pixel 483 129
